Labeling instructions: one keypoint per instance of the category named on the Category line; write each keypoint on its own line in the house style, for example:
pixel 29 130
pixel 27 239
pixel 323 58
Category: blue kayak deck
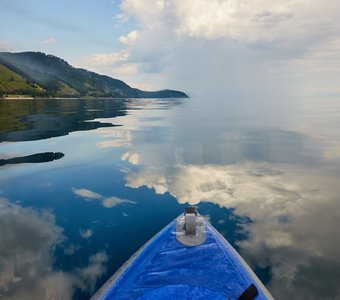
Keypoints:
pixel 168 269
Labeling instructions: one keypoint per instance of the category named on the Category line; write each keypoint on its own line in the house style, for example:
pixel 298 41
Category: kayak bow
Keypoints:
pixel 188 259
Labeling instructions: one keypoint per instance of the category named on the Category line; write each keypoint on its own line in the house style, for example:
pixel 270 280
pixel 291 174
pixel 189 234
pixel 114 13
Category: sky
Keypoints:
pixel 202 47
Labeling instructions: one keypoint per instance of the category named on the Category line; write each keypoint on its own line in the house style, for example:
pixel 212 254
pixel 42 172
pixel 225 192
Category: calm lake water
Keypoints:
pixel 85 183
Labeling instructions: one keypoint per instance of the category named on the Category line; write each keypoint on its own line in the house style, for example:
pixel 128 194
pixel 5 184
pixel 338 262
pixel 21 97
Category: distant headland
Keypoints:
pixel 37 75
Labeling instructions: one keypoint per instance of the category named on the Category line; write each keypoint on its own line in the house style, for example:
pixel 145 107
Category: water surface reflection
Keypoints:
pixel 294 217
pixel 266 176
pixel 27 120
pixel 278 179
pixel 28 239
pixel 34 158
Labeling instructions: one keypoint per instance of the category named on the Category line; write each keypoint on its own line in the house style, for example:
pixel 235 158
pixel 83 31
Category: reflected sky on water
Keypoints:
pixel 265 172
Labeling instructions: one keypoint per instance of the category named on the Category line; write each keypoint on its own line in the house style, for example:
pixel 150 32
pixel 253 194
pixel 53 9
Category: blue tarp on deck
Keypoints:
pixel 167 269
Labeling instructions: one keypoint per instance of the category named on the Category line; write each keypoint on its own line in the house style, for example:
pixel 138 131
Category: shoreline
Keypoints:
pixel 78 98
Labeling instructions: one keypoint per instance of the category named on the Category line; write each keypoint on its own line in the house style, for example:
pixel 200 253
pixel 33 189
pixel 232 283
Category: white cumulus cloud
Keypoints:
pixel 131 37
pixel 228 47
pixel 241 20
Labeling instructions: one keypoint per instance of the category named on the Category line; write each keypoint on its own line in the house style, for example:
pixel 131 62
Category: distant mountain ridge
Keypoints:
pixel 39 75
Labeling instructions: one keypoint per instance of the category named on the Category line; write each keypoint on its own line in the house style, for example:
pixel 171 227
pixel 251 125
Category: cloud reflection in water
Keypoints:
pixel 275 173
pixel 294 214
pixel 28 239
pixel 107 202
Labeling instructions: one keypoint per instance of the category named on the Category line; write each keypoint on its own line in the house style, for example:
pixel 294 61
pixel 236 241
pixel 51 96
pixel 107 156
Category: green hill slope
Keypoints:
pixel 48 75
pixel 13 83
